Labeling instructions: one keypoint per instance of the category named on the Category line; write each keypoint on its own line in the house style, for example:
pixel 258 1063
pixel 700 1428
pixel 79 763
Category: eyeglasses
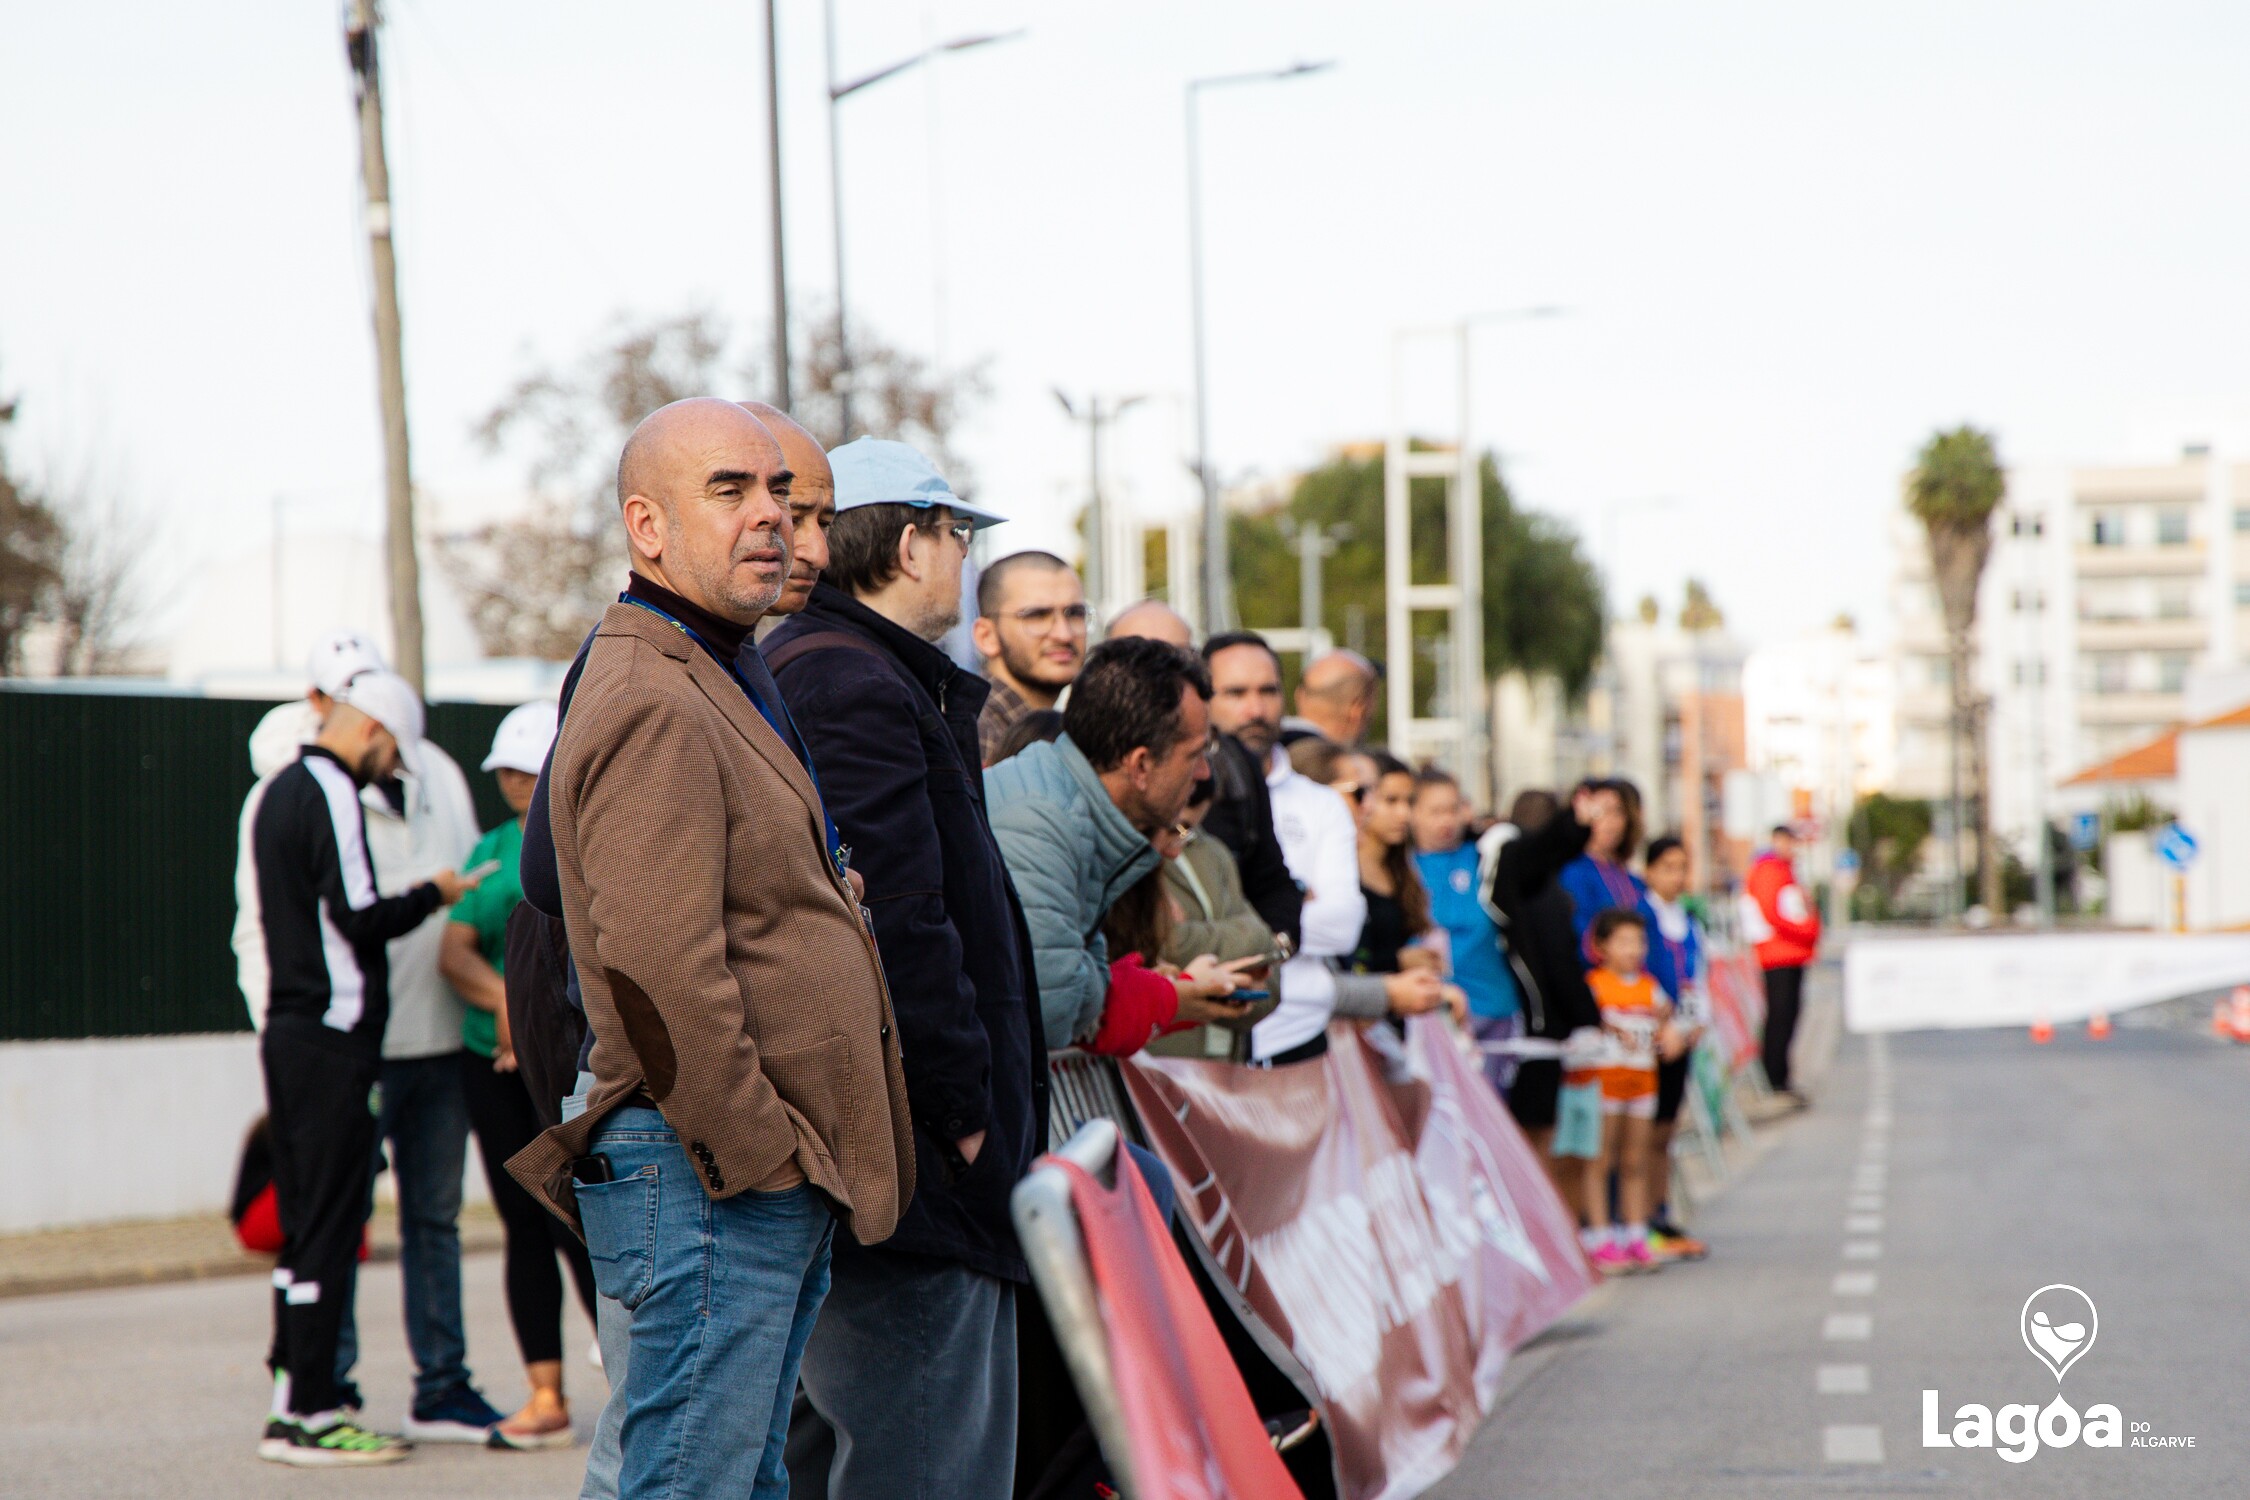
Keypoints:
pixel 1073 615
pixel 961 531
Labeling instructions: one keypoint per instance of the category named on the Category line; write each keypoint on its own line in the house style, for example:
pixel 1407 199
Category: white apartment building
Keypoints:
pixel 2113 600
pixel 1820 717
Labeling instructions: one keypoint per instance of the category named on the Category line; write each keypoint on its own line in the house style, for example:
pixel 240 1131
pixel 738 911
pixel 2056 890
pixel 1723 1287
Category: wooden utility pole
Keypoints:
pixel 360 23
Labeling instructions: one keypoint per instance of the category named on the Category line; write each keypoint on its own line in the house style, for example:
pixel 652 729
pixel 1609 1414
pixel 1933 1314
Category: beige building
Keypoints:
pixel 2111 611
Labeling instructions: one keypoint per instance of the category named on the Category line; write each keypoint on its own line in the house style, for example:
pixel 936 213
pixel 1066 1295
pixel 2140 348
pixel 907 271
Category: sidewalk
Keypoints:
pixel 192 1249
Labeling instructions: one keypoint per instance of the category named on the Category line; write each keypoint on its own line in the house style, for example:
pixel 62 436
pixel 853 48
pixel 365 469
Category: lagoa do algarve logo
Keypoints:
pixel 2059 1326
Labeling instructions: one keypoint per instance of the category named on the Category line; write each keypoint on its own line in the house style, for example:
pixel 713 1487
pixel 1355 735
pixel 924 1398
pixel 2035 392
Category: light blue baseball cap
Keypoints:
pixel 878 471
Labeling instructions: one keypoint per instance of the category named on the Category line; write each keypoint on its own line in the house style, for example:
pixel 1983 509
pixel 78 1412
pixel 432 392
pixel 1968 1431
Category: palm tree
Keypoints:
pixel 1956 485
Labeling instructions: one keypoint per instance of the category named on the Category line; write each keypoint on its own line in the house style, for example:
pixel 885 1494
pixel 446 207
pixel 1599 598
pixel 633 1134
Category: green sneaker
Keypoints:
pixel 341 1444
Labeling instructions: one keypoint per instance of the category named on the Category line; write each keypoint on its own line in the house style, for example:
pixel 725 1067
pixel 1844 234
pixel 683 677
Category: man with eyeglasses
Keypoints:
pixel 1031 631
pixel 910 1376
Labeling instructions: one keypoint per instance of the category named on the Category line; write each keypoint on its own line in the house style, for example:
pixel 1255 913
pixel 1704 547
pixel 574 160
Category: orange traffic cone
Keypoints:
pixel 2219 1026
pixel 2042 1031
pixel 2238 1015
pixel 2097 1027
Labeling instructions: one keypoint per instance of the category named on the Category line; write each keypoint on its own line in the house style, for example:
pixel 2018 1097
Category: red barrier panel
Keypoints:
pixel 1193 1430
pixel 1385 1221
pixel 1738 1006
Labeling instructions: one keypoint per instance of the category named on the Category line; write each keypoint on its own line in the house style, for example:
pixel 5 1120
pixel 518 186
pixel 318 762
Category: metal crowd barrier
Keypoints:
pixel 1047 1226
pixel 1081 1087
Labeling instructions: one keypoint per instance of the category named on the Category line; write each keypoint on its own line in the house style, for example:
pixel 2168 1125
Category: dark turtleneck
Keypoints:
pixel 723 636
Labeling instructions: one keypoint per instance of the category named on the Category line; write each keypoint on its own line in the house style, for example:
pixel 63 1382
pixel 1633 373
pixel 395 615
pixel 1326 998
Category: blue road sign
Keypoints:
pixel 2176 846
pixel 2085 831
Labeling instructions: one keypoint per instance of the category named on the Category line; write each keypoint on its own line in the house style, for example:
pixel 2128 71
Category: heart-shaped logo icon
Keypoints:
pixel 2053 1329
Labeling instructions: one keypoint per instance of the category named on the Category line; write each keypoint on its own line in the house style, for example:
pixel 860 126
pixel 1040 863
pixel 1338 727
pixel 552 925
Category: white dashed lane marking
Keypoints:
pixel 1850 1442
pixel 1843 1380
pixel 1841 1444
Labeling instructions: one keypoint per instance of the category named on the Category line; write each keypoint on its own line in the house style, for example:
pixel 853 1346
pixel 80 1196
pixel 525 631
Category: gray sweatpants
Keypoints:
pixel 909 1384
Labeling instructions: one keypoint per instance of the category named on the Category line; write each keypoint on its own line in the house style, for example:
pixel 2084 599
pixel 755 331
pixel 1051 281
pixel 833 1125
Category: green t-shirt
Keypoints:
pixel 485 910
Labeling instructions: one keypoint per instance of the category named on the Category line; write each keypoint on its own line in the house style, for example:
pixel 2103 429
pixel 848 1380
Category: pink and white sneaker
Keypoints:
pixel 1640 1257
pixel 1612 1260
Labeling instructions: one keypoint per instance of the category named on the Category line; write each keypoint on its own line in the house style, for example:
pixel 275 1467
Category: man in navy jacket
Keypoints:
pixel 910 1377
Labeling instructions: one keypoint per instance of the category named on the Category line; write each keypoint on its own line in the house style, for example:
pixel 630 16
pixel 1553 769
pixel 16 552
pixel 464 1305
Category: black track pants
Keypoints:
pixel 323 1129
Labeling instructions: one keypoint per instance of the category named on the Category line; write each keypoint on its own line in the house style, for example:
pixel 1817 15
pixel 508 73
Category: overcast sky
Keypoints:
pixel 1793 239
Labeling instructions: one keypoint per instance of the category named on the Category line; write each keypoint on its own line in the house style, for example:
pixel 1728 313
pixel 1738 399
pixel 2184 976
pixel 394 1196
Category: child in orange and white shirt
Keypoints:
pixel 1634 1010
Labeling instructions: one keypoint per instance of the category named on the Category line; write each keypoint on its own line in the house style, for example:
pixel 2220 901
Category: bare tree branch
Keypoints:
pixel 535 583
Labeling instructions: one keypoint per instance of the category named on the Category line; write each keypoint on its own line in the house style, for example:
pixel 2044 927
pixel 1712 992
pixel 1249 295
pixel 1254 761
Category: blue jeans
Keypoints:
pixel 425 1118
pixel 722 1296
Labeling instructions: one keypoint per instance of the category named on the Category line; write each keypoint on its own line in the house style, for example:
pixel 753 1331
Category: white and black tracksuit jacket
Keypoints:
pixel 325 926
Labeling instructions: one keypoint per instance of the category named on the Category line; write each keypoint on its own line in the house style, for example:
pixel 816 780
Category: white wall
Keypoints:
pixel 2140 890
pixel 129 1128
pixel 2214 805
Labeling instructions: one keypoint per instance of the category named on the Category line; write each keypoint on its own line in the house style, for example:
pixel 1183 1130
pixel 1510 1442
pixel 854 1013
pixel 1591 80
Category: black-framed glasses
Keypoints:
pixel 961 531
pixel 1073 615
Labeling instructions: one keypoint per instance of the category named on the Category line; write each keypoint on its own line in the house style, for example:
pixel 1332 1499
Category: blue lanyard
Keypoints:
pixel 838 853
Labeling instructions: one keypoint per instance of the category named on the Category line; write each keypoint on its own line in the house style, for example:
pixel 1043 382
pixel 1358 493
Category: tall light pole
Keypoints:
pixel 405 566
pixel 773 174
pixel 838 92
pixel 1217 595
pixel 1096 417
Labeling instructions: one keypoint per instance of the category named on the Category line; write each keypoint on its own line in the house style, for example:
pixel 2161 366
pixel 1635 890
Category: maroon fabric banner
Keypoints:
pixel 1385 1220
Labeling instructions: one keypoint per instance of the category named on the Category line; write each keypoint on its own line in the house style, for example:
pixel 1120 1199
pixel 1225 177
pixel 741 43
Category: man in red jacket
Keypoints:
pixel 1779 918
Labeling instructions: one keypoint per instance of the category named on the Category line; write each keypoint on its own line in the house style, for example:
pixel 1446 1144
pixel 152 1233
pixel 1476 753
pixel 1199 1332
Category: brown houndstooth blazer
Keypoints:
pixel 727 969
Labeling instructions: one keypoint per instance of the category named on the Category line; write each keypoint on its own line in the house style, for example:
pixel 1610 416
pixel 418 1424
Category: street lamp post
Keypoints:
pixel 837 94
pixel 1217 596
pixel 1096 417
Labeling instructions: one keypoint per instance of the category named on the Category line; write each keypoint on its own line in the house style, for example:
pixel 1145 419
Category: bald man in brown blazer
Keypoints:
pixel 747 1088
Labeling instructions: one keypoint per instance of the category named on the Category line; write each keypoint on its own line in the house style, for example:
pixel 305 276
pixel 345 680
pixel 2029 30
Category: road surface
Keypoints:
pixel 149 1392
pixel 1860 1263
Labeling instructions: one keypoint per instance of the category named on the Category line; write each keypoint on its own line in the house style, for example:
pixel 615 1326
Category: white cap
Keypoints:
pixel 338 657
pixel 520 744
pixel 390 700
